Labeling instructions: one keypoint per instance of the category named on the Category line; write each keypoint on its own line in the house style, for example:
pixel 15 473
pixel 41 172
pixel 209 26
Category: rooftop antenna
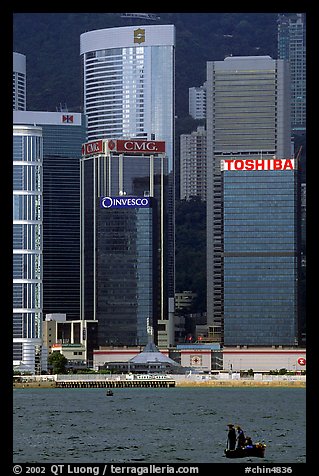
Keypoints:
pixel 142 16
pixel 62 108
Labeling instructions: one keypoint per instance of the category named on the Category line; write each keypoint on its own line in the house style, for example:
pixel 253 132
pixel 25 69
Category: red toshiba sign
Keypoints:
pixel 257 164
pixel 136 146
pixel 92 148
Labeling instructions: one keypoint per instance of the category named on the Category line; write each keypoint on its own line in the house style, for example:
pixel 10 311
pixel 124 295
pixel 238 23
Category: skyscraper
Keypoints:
pixel 128 94
pixel 27 248
pixel 19 82
pixel 197 102
pixel 292 47
pixel 62 135
pixel 252 242
pixel 193 164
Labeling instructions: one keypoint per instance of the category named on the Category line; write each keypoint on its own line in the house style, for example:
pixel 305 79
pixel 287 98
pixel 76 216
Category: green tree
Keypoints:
pixel 58 362
pixel 190 219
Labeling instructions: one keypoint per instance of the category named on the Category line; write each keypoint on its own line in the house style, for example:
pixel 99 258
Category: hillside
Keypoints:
pixel 51 43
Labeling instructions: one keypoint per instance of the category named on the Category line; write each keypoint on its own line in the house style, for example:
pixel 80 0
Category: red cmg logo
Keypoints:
pixel 139 146
pixel 94 147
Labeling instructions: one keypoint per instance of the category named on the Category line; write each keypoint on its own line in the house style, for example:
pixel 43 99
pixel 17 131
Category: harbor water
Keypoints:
pixel 155 425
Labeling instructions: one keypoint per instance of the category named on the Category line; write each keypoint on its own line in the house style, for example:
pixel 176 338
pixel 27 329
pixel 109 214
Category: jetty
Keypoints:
pixel 96 381
pixel 136 383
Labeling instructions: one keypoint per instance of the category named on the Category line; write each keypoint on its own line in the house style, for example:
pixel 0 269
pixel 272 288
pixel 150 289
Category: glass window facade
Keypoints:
pixel 126 273
pixel 61 218
pixel 260 258
pixel 123 256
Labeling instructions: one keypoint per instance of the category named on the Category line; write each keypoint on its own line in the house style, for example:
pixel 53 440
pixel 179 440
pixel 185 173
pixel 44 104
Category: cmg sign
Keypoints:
pixel 92 148
pixel 136 146
pixel 124 202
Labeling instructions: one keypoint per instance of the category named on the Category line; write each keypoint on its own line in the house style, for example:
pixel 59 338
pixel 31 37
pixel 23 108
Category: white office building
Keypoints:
pixel 27 249
pixel 19 82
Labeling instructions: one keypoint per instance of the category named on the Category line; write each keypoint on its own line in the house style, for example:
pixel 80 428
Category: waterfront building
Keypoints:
pixel 264 359
pixel 252 215
pixel 197 102
pixel 19 82
pixel 63 134
pixel 292 47
pixel 75 339
pixel 127 278
pixel 27 249
pixel 193 164
pixel 201 357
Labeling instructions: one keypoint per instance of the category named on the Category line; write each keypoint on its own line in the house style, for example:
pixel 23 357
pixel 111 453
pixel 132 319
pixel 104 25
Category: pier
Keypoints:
pixel 94 381
pixel 115 383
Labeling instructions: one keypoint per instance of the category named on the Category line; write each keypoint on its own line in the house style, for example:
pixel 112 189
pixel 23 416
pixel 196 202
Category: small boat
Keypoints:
pixel 109 393
pixel 257 450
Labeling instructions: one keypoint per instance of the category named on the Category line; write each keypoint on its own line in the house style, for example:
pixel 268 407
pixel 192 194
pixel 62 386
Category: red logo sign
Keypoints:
pixel 92 148
pixel 67 118
pixel 301 361
pixel 258 164
pixel 137 146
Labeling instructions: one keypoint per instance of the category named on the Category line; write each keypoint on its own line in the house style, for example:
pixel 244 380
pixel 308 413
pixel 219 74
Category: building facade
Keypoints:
pixel 261 257
pixel 128 76
pixel 193 164
pixel 63 134
pixel 19 82
pixel 197 102
pixel 252 229
pixel 123 263
pixel 292 47
pixel 27 249
pixel 76 339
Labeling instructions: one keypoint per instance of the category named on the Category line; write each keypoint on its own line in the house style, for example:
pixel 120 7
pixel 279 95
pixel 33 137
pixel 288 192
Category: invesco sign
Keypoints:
pixel 124 202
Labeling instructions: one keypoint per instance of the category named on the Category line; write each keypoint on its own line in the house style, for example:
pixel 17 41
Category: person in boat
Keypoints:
pixel 249 443
pixel 231 437
pixel 241 439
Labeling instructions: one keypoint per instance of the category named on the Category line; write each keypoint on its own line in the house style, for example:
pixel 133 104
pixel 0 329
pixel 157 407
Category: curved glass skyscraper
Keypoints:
pixel 128 85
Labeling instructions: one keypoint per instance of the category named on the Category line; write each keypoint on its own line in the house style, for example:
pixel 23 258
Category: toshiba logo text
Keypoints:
pixel 257 164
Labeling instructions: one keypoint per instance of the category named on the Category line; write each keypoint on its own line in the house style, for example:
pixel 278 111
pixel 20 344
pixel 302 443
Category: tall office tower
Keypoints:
pixel 27 248
pixel 193 164
pixel 63 134
pixel 128 77
pixel 292 47
pixel 252 242
pixel 19 82
pixel 197 102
